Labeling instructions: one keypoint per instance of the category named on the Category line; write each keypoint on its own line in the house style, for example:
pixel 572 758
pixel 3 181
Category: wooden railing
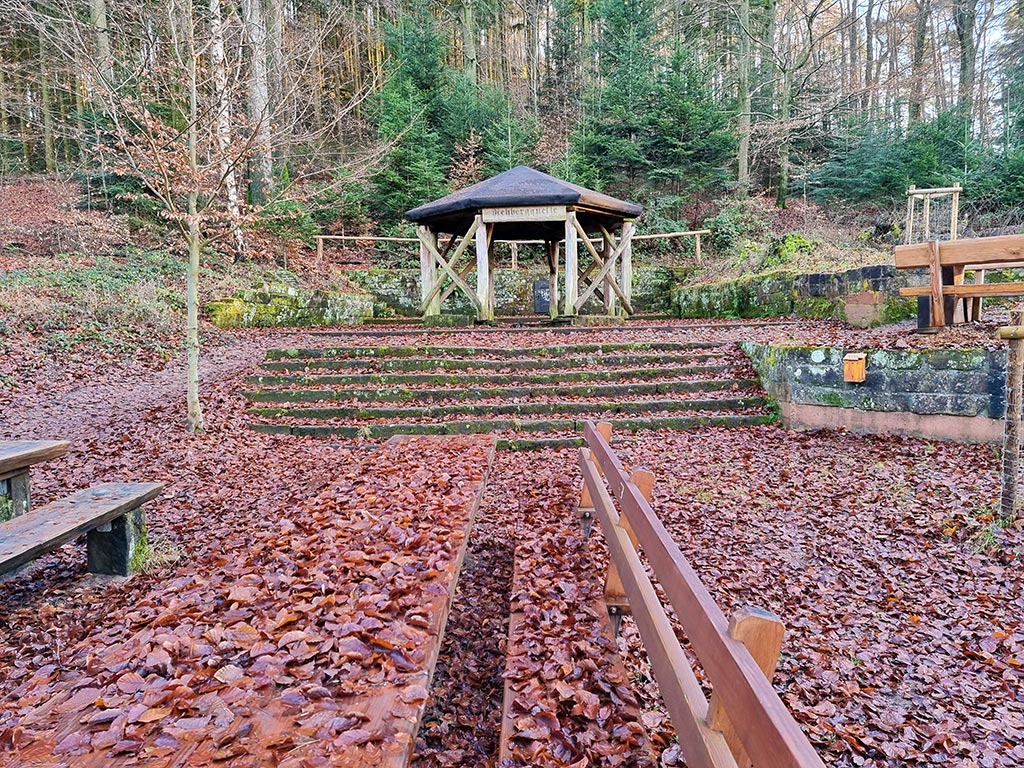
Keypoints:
pixel 320 239
pixel 745 723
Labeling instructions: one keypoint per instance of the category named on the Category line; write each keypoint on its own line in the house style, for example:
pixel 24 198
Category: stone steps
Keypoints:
pixel 372 364
pixel 399 395
pixel 516 426
pixel 535 397
pixel 489 379
pixel 575 407
pixel 486 352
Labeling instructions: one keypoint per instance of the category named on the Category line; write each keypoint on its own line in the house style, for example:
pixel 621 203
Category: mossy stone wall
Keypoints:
pixel 864 296
pixel 397 291
pixel 958 382
pixel 289 306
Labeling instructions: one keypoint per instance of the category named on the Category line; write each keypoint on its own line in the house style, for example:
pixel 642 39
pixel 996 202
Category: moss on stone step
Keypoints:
pixel 559 350
pixel 448 364
pixel 398 395
pixel 468 379
pixel 513 409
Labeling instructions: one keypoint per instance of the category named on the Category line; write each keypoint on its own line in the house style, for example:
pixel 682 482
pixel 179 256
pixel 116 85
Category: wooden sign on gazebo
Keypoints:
pixel 525 204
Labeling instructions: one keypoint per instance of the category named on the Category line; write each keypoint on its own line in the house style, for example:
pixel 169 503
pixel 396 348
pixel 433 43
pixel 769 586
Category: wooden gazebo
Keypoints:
pixel 523 204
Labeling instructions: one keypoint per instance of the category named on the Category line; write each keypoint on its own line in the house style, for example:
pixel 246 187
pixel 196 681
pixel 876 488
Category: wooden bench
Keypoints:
pixel 745 723
pixel 111 514
pixel 948 261
pixel 16 458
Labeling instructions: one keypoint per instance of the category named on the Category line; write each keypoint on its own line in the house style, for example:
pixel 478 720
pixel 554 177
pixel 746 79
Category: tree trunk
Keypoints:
pixel 46 107
pixel 965 15
pixel 744 101
pixel 867 100
pixel 223 124
pixel 261 172
pixel 916 107
pixel 195 242
pixel 104 60
pixel 786 143
pixel 469 33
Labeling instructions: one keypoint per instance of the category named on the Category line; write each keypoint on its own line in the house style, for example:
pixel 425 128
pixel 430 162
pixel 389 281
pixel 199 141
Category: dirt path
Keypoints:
pixel 113 402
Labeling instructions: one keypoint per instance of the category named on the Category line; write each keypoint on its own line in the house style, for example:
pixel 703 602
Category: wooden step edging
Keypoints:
pixel 738 655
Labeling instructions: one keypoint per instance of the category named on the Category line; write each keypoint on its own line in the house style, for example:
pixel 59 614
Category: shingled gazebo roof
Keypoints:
pixel 523 186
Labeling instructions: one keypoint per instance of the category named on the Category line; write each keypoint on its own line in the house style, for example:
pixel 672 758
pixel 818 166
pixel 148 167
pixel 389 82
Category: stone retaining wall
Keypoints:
pixel 863 296
pixel 289 306
pixel 397 291
pixel 955 394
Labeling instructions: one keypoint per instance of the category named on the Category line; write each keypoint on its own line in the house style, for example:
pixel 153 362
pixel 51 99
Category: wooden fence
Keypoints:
pixel 745 723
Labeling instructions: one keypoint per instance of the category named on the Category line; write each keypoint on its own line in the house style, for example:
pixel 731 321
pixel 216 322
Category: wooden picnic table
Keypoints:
pixel 16 459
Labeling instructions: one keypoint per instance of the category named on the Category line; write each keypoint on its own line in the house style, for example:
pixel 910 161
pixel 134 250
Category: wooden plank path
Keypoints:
pixel 324 659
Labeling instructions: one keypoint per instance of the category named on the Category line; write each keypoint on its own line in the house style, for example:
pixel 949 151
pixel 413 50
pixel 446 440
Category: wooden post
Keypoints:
pixel 908 236
pixel 926 215
pixel 1008 499
pixel 483 272
pixel 762 633
pixel 514 247
pixel 614 591
pixel 626 280
pixel 428 272
pixel 320 250
pixel 954 213
pixel 696 247
pixel 572 272
pixel 606 288
pixel 935 270
pixel 17 490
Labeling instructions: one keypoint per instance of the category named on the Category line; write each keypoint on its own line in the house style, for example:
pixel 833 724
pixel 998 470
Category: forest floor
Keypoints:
pixel 901 596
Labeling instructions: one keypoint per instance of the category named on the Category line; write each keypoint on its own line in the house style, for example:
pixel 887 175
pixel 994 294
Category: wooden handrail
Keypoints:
pixel 767 732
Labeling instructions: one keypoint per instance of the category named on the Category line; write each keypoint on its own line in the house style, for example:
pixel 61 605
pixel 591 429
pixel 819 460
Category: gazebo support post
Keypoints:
pixel 492 264
pixel 606 289
pixel 483 273
pixel 626 262
pixel 572 286
pixel 428 272
pixel 552 250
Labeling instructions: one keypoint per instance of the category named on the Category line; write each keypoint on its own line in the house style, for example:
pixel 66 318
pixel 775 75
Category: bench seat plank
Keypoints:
pixel 26 537
pixel 968 289
pixel 18 455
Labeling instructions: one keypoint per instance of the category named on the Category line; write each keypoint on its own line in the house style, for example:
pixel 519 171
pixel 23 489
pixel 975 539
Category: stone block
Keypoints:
pixel 120 548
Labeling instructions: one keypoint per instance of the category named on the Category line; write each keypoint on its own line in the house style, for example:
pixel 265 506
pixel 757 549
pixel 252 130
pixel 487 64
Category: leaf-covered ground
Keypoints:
pixel 902 600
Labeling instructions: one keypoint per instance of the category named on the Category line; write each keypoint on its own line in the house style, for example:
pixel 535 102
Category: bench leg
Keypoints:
pixel 119 548
pixel 15 496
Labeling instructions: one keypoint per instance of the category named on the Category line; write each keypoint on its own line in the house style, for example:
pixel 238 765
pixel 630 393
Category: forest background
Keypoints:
pixel 337 116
